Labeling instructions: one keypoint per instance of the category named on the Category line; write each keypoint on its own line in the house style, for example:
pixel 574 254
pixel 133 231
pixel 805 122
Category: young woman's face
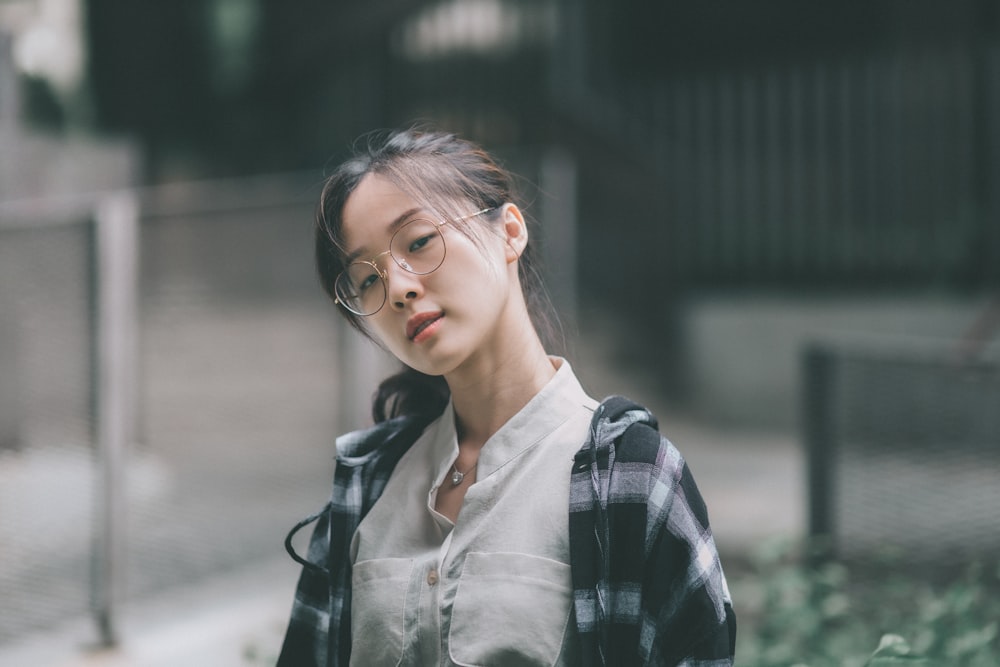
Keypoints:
pixel 434 322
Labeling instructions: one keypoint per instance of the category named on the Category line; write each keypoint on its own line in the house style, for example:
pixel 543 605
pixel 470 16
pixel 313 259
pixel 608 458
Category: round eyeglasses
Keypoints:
pixel 418 247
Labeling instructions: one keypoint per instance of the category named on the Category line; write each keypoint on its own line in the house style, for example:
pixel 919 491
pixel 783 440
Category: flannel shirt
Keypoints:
pixel 648 585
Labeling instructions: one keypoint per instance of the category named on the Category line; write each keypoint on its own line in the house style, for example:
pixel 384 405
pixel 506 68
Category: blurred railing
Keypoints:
pixel 903 447
pixel 167 373
pixel 67 385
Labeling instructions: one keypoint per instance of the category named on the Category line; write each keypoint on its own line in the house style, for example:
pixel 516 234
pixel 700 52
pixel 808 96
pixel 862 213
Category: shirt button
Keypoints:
pixel 432 577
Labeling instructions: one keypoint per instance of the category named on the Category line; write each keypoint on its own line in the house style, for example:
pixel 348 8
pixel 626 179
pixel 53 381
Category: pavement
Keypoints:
pixel 753 484
pixel 231 620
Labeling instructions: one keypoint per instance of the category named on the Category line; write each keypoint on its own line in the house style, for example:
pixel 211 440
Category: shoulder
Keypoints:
pixel 644 465
pixel 632 432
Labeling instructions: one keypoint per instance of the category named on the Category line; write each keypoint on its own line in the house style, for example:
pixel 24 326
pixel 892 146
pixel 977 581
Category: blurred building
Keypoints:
pixel 45 141
pixel 828 144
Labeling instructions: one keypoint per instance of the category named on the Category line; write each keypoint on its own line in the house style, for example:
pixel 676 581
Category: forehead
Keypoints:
pixel 374 205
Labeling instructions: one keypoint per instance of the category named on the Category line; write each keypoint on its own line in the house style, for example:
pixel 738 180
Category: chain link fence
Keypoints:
pixel 904 453
pixel 47 476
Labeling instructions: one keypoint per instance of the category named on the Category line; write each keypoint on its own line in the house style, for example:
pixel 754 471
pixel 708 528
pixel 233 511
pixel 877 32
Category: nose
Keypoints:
pixel 402 286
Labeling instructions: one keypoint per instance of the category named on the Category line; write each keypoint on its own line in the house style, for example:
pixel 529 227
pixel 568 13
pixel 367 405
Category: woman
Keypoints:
pixel 495 514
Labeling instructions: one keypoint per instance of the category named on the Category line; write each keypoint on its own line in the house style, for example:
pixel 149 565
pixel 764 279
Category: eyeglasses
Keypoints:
pixel 417 247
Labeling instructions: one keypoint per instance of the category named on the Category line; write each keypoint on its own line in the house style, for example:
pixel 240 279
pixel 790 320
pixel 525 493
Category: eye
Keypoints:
pixel 367 282
pixel 420 242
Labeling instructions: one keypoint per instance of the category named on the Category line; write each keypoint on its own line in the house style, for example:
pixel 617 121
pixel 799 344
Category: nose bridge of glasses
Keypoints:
pixel 381 265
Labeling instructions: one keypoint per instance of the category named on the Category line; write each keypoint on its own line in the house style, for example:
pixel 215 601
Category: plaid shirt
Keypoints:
pixel 648 585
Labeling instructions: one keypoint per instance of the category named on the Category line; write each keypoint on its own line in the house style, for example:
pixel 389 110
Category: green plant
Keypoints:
pixel 797 609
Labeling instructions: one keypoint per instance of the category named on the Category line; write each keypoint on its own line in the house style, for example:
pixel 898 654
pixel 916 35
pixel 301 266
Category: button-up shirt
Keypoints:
pixel 494 587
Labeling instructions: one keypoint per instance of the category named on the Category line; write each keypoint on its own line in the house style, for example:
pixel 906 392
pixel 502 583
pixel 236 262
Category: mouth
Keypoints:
pixel 419 323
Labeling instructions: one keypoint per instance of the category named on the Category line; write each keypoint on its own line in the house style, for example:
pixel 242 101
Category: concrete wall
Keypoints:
pixel 740 352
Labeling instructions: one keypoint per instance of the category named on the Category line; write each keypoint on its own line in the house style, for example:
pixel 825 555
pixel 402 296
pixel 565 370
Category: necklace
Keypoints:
pixel 457 477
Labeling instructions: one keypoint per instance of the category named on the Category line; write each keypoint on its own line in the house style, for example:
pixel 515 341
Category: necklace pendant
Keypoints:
pixel 456 478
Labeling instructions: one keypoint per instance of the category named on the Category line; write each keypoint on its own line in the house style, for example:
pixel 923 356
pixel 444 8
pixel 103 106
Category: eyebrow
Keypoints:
pixel 393 226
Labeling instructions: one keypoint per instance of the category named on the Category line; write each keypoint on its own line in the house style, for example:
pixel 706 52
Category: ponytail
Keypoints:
pixel 410 393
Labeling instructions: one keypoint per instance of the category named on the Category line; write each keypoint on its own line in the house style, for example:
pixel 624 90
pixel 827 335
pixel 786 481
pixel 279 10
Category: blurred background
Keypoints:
pixel 775 223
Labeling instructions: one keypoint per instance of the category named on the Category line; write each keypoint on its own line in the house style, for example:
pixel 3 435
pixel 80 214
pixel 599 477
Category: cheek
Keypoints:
pixel 473 289
pixel 476 269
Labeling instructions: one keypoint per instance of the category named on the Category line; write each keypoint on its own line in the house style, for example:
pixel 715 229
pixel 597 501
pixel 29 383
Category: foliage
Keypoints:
pixel 797 610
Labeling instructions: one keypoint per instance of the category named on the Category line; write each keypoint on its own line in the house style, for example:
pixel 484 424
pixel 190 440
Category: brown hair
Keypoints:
pixel 441 171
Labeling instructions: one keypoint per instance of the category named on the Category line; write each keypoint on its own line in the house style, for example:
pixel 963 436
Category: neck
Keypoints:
pixel 487 395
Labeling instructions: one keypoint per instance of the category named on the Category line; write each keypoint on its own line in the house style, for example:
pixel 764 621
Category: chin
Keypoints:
pixel 428 368
pixel 417 362
pixel 425 368
pixel 435 362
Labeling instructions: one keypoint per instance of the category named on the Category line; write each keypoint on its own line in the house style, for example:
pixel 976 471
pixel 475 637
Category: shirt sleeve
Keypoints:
pixel 306 638
pixel 687 613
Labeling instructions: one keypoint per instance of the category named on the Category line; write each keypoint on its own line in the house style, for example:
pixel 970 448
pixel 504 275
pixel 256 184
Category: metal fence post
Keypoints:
pixel 818 434
pixel 991 176
pixel 116 276
pixel 356 377
pixel 361 366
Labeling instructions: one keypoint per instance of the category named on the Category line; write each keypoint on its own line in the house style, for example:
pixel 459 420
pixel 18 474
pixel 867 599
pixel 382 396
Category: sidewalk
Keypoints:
pixel 236 620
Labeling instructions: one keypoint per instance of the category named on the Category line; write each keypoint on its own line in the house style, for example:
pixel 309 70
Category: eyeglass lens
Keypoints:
pixel 417 247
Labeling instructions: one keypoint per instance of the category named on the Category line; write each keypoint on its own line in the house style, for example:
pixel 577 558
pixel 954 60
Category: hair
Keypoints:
pixel 440 171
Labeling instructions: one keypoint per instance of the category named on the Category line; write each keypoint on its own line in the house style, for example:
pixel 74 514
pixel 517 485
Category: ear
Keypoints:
pixel 515 231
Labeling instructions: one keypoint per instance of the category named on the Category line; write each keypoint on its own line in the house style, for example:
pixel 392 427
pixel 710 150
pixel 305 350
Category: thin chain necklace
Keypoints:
pixel 456 476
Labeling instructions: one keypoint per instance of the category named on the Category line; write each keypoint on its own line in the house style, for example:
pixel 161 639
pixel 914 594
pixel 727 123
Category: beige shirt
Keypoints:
pixel 493 588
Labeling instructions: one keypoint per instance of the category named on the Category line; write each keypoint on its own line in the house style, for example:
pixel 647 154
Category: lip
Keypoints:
pixel 418 323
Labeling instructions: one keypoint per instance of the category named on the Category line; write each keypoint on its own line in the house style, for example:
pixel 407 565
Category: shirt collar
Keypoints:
pixel 557 401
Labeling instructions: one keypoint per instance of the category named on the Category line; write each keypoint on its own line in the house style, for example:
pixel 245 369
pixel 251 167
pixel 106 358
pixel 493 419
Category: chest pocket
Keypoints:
pixel 511 610
pixel 377 610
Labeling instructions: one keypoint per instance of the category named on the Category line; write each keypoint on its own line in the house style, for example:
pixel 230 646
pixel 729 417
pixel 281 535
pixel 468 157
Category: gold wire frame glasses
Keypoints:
pixel 417 247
